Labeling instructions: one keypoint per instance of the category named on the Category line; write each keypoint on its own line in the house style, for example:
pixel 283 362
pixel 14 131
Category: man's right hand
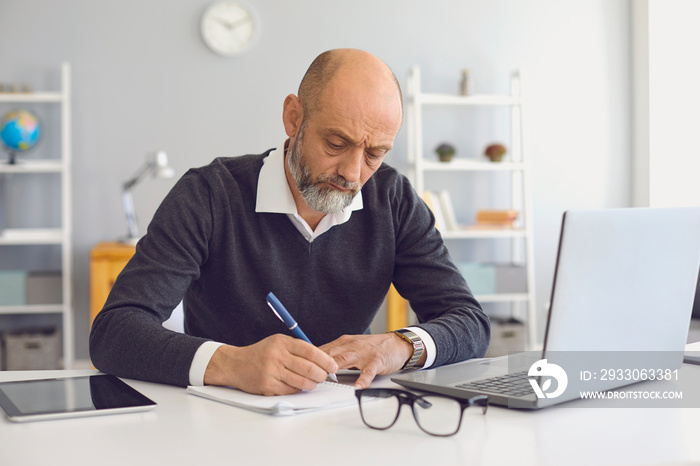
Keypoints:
pixel 277 365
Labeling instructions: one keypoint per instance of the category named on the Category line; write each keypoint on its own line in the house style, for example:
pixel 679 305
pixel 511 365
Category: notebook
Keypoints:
pixel 623 291
pixel 692 353
pixel 326 395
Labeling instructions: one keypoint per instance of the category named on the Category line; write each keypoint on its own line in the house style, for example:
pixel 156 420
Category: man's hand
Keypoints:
pixel 277 365
pixel 372 354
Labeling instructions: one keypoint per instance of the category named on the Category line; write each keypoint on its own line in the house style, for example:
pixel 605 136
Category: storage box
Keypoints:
pixel 13 286
pixel 37 349
pixel 44 288
pixel 507 336
pixel 511 279
pixel 487 278
pixel 481 278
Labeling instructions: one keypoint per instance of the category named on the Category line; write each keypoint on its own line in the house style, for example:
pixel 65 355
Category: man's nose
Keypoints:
pixel 351 166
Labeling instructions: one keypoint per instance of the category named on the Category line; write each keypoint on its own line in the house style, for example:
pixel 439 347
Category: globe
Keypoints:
pixel 19 131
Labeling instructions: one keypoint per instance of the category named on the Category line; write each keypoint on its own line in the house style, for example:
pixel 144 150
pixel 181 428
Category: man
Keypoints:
pixel 323 224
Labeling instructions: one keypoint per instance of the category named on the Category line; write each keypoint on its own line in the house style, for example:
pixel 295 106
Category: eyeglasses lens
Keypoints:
pixel 379 412
pixel 438 415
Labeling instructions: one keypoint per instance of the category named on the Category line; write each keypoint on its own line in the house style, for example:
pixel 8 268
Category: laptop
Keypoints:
pixel 623 292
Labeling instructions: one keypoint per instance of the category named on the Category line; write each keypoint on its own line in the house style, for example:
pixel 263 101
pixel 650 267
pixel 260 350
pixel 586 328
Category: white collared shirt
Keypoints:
pixel 275 196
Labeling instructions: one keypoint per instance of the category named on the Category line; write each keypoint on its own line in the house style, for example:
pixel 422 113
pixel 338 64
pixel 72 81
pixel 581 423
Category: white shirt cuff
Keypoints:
pixel 428 343
pixel 201 361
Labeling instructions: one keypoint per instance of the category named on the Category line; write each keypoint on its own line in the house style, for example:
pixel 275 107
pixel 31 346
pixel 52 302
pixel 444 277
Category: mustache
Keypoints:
pixel 338 180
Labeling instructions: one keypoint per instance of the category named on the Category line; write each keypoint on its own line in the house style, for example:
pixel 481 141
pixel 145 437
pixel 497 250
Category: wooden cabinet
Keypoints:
pixel 106 262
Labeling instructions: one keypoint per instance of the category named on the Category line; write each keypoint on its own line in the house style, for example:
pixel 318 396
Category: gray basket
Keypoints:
pixel 507 336
pixel 38 349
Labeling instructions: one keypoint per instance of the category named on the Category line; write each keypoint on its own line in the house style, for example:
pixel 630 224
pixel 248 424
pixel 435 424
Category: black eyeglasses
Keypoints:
pixel 435 414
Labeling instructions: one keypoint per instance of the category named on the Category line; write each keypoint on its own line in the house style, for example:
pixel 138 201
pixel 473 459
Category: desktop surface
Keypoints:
pixel 185 430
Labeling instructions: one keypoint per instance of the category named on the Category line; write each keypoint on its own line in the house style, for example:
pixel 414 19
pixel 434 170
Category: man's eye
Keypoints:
pixel 335 146
pixel 373 158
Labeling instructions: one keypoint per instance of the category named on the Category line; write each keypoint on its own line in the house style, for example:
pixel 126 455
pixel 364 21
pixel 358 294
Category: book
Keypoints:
pixel 433 202
pixel 326 395
pixel 448 210
pixel 503 218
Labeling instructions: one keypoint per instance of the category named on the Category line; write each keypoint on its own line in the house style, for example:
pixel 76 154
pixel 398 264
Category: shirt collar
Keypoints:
pixel 275 195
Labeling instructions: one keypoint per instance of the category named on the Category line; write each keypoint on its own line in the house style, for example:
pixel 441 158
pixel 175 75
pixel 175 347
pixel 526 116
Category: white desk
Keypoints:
pixel 189 430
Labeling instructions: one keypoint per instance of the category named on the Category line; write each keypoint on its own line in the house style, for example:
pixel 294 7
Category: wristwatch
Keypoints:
pixel 418 347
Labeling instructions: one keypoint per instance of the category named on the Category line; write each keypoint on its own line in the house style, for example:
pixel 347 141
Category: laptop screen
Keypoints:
pixel 696 304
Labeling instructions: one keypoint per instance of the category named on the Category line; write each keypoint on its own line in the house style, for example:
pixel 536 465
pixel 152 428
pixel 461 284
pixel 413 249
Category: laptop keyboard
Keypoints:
pixel 516 384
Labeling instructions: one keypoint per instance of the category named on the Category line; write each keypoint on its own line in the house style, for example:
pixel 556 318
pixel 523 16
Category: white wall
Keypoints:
pixel 143 80
pixel 666 102
pixel 674 102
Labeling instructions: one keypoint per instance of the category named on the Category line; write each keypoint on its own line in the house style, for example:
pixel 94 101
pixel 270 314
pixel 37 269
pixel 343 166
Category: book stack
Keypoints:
pixel 496 218
pixel 440 203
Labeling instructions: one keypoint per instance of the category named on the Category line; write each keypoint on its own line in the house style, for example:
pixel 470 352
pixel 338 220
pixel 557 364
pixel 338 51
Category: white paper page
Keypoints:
pixel 327 395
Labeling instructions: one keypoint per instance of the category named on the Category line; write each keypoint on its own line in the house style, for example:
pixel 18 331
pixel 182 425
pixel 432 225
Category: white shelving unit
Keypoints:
pixel 62 236
pixel 521 244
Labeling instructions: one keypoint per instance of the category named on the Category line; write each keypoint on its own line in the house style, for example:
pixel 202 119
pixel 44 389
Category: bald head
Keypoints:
pixel 341 125
pixel 349 67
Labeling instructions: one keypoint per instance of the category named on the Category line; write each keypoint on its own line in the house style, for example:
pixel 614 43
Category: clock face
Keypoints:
pixel 229 28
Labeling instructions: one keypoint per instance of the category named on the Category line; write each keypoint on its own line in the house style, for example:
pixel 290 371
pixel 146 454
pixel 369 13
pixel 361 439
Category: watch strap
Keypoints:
pixel 418 347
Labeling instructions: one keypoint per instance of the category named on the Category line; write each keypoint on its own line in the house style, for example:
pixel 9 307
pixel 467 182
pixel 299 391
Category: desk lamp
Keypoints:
pixel 156 166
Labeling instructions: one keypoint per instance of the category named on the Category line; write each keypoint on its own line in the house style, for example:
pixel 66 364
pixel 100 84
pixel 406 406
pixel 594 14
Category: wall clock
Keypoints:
pixel 229 28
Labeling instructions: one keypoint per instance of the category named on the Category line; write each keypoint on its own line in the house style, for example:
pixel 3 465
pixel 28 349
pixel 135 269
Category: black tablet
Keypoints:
pixel 77 396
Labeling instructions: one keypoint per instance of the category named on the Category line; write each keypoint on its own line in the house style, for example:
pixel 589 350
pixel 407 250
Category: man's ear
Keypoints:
pixel 292 115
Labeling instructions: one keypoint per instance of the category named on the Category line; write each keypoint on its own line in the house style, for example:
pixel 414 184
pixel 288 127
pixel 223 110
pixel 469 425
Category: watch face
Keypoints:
pixel 229 28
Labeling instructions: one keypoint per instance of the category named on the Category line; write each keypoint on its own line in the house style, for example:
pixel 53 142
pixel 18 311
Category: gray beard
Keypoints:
pixel 320 197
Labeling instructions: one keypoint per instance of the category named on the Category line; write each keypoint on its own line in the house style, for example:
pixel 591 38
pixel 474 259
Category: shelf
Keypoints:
pixel 19 236
pixel 472 165
pixel 502 298
pixel 447 99
pixel 32 309
pixel 425 168
pixel 31 97
pixel 57 162
pixel 32 166
pixel 479 234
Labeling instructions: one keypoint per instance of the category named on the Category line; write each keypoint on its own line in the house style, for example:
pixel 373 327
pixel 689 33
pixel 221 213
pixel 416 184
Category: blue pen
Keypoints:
pixel 284 315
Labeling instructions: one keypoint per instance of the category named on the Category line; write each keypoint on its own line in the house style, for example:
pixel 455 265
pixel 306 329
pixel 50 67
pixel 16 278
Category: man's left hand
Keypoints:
pixel 372 354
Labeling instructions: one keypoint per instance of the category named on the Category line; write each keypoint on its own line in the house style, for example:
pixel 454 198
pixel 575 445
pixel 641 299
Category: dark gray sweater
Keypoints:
pixel 207 243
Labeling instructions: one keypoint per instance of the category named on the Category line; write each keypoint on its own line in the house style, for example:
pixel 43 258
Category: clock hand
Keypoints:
pixel 228 25
pixel 225 24
pixel 241 21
